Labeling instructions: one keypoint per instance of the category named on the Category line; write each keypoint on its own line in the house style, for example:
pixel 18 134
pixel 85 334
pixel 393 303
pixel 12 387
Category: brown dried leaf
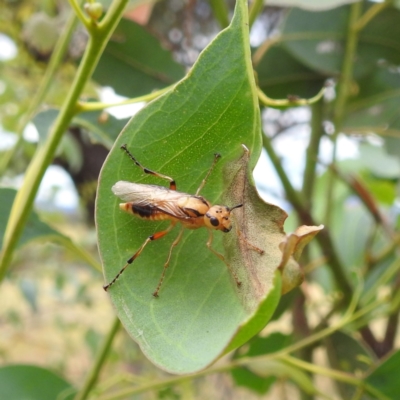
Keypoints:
pixel 292 247
pixel 258 224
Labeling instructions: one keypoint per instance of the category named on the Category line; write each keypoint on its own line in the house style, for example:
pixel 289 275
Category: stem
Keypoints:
pixel 301 329
pixel 255 9
pixel 370 14
pixel 316 337
pixel 284 103
pixel 382 280
pixel 79 13
pixel 95 105
pixel 312 152
pixel 330 373
pixel 23 202
pixel 387 251
pixel 93 375
pixel 343 92
pixel 262 50
pixel 323 238
pixel 365 196
pixel 220 11
pixel 55 60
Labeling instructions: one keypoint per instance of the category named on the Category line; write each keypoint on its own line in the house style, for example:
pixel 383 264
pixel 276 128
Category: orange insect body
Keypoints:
pixel 157 203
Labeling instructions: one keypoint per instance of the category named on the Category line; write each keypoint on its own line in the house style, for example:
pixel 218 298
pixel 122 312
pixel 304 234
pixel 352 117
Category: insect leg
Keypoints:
pixel 172 183
pixel 248 244
pixel 217 156
pixel 154 236
pixel 222 258
pixel 175 242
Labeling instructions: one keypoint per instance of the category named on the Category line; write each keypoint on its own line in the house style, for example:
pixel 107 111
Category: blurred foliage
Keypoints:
pixel 343 321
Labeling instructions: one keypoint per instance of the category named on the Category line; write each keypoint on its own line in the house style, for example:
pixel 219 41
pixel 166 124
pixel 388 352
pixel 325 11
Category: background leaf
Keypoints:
pixel 384 378
pixel 280 74
pixel 347 354
pixel 258 346
pixel 29 382
pixel 316 39
pixel 34 229
pixel 102 128
pixel 137 62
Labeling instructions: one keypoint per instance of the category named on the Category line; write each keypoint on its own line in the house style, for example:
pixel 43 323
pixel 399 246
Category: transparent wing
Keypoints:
pixel 159 197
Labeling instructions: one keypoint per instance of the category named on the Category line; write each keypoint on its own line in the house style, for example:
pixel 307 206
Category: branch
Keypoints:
pixel 93 375
pixel 55 60
pixel 323 238
pixel 255 9
pixel 343 91
pixel 370 14
pixel 95 105
pixel 311 154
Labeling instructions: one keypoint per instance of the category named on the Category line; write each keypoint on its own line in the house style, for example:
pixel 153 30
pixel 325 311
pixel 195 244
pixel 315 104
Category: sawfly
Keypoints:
pixel 157 203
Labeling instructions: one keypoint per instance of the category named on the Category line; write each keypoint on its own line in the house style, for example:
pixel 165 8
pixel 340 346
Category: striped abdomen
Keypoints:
pixel 146 211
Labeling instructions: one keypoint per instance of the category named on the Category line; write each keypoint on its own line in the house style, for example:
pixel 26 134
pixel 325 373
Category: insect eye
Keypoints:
pixel 213 220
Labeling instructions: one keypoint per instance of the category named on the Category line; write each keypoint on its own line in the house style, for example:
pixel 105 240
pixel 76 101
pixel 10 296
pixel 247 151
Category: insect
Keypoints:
pixel 156 203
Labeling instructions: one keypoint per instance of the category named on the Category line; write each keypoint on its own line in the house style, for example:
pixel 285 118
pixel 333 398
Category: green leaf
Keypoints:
pixel 385 377
pixel 353 231
pixel 34 228
pixel 347 354
pixel 280 75
pixel 102 128
pixel 244 377
pixel 258 346
pixel 29 382
pixel 379 162
pixel 43 121
pixel 134 63
pixel 200 309
pixel 317 39
pixel 375 107
pixel 392 145
pixel 384 191
pixel 280 369
pixel 40 33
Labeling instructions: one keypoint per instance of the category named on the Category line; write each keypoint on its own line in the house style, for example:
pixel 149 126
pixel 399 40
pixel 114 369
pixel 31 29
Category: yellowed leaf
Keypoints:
pixel 292 247
pixel 258 225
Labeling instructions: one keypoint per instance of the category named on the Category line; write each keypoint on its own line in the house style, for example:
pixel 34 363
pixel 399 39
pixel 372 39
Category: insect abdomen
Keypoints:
pixel 146 211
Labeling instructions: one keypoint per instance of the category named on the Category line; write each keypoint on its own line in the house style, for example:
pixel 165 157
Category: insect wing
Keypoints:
pixel 159 197
pixel 135 192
